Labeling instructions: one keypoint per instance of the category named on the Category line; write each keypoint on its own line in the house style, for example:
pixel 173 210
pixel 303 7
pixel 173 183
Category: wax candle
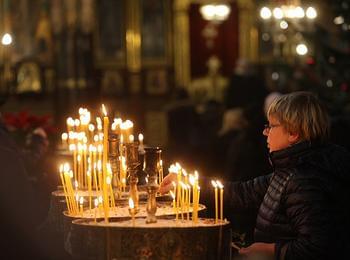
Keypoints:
pixel 216 200
pixel 221 187
pixel 88 173
pixel 65 189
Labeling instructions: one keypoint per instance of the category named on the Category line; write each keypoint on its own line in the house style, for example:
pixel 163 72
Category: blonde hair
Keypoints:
pixel 301 113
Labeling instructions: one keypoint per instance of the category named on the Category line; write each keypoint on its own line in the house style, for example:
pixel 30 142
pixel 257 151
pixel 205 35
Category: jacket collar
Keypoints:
pixel 292 154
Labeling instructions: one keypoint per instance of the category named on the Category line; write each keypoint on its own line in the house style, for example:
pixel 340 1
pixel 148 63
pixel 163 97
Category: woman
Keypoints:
pixel 303 204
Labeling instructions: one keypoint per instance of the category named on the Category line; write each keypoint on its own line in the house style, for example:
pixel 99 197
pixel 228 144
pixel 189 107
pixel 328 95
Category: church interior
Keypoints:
pixel 189 74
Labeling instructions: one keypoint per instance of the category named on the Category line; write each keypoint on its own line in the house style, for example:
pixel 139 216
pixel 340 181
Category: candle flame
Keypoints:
pixel 70 121
pixel 140 137
pixel 219 184
pixel 61 168
pixel 99 165
pixel 108 180
pixel 96 202
pixel 64 136
pixel 104 110
pixel 72 147
pixel 131 138
pixel 81 200
pixel 66 167
pixel 100 199
pixel 77 122
pixel 91 127
pixel 131 203
pixel 215 185
pixel 192 179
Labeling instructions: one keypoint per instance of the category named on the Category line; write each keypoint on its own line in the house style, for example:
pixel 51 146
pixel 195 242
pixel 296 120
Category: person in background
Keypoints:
pixel 303 207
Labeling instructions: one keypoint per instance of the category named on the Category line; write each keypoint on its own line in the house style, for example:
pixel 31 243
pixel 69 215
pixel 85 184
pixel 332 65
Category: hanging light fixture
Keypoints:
pixel 6 39
pixel 288 11
pixel 216 13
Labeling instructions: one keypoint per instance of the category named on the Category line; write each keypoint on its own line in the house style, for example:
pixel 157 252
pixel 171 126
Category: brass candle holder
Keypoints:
pixel 132 163
pixel 152 157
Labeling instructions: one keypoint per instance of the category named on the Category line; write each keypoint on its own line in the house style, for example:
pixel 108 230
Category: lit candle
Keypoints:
pixel 221 187
pixel 65 189
pixel 70 124
pixel 77 125
pixel 72 147
pixel 88 173
pixel 216 200
pixel 132 211
pixel 64 138
pixel 131 138
pixel 91 131
pixel 188 201
pixel 160 171
pixel 141 146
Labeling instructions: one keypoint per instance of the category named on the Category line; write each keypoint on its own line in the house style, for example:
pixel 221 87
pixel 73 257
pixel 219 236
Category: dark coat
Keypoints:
pixel 303 205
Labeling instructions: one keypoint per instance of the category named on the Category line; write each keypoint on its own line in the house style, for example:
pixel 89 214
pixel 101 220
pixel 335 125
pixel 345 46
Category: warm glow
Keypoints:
pixel 70 121
pixel 265 13
pixel 311 13
pixel 64 136
pixel 131 138
pixel 172 195
pixel 66 167
pixel 77 122
pixel 108 180
pixel 104 111
pixel 91 127
pixel 131 203
pixel 301 49
pixel 283 25
pixel 216 13
pixel 140 137
pixel 72 147
pixel 6 39
pixel 96 202
pixel 219 184
pixel 192 179
pixel 215 185
pixel 278 13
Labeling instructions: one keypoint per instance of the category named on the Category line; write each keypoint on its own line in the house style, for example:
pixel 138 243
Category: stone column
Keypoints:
pixel 248 33
pixel 181 43
pixel 133 45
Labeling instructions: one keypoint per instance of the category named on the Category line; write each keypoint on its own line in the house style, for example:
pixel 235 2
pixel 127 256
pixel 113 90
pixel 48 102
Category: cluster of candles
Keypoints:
pixel 217 184
pixel 181 194
pixel 88 143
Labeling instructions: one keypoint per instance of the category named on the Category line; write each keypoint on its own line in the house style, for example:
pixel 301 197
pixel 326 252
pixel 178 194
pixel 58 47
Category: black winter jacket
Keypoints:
pixel 303 205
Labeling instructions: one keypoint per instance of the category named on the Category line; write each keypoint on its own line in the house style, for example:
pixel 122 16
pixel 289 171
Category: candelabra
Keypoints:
pixel 113 140
pixel 152 158
pixel 132 163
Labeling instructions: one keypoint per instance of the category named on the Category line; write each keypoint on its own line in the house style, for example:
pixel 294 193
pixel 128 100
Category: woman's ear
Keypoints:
pixel 293 138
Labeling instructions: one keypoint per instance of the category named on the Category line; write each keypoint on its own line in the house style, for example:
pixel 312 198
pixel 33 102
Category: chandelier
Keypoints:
pixel 215 12
pixel 286 14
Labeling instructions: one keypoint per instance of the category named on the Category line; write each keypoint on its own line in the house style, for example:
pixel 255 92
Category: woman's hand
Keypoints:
pixel 259 249
pixel 167 183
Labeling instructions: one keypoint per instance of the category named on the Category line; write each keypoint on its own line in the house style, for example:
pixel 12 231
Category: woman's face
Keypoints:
pixel 277 136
